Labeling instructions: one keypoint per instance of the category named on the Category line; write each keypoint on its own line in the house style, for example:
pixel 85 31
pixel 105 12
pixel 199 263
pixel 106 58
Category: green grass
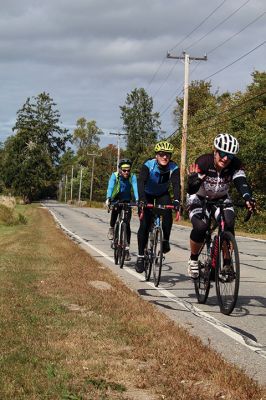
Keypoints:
pixel 63 338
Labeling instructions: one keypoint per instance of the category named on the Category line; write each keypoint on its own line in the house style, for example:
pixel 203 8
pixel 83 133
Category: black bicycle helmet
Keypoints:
pixel 125 163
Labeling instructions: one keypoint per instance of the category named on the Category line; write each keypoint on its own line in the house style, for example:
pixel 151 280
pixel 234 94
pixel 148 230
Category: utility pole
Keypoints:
pixel 80 182
pixel 92 171
pixel 71 184
pixel 118 145
pixel 65 188
pixel 186 58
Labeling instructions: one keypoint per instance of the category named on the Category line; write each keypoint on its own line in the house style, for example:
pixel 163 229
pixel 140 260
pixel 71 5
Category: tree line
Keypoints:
pixel 41 156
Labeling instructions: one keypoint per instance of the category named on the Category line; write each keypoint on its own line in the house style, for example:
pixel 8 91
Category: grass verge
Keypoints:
pixel 71 330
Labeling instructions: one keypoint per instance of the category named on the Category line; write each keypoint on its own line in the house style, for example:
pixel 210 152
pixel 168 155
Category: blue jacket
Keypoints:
pixel 119 188
pixel 155 181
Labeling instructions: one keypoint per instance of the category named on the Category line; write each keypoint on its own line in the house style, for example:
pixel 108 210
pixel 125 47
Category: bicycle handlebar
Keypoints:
pixel 160 207
pixel 222 204
pixel 121 204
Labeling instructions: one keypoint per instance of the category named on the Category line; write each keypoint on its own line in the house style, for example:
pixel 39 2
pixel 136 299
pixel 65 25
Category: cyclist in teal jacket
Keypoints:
pixel 120 187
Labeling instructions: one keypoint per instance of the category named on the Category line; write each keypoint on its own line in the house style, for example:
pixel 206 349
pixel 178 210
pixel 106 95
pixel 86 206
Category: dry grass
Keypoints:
pixel 72 330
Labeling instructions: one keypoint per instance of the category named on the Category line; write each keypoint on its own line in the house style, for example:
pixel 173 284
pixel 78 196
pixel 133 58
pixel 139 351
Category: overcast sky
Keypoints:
pixel 88 54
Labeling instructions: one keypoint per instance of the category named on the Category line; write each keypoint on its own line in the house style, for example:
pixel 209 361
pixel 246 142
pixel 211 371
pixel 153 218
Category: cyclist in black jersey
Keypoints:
pixel 211 176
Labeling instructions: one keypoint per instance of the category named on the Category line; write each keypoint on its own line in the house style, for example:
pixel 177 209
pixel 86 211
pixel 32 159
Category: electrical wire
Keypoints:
pixel 235 34
pixel 198 26
pixel 235 61
pixel 181 41
pixel 216 26
pixel 231 108
pixel 226 120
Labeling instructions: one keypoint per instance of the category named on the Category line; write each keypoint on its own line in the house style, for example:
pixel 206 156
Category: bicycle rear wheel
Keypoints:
pixel 123 244
pixel 202 283
pixel 157 256
pixel 227 274
pixel 116 244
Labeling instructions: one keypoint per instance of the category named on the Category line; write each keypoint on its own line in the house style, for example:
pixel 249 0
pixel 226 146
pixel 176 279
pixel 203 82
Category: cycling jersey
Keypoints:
pixel 154 180
pixel 119 188
pixel 216 184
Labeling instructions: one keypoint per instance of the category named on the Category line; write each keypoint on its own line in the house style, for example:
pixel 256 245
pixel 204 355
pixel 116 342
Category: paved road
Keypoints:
pixel 241 337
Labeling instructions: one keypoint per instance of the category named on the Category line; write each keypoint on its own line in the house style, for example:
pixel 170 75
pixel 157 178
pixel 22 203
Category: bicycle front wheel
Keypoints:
pixel 148 258
pixel 227 274
pixel 123 244
pixel 157 256
pixel 202 283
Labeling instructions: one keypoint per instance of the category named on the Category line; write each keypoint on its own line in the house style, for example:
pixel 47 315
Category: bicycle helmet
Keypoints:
pixel 226 143
pixel 164 146
pixel 125 163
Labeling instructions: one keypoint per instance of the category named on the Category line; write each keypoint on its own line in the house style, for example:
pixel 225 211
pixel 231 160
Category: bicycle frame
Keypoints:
pixel 154 252
pixel 119 242
pixel 215 250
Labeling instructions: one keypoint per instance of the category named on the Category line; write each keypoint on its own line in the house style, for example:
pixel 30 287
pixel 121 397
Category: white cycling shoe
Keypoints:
pixel 193 269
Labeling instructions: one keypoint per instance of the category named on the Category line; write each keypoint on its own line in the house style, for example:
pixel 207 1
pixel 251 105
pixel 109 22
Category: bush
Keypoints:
pixel 256 224
pixel 8 216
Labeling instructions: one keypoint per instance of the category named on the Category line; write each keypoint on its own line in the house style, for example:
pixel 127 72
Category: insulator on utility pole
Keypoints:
pixel 186 58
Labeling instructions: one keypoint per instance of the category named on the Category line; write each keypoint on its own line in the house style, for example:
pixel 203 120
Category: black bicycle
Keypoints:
pixel 120 241
pixel 219 261
pixel 153 254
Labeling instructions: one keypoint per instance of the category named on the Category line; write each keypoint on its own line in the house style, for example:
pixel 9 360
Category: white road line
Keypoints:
pixel 227 330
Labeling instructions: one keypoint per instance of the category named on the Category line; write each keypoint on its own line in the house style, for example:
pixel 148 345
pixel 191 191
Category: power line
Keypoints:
pixel 231 37
pixel 174 95
pixel 221 113
pixel 198 26
pixel 169 73
pixel 233 62
pixel 231 108
pixel 155 73
pixel 216 26
pixel 225 120
pixel 181 41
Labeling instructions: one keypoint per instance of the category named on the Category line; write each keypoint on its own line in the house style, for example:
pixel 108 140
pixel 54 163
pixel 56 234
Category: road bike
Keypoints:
pixel 153 254
pixel 120 240
pixel 219 260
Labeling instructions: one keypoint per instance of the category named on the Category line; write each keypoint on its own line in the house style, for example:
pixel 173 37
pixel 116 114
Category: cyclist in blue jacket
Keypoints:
pixel 154 180
pixel 120 188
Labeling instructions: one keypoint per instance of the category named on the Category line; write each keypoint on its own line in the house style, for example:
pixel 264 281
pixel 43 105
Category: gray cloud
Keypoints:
pixel 88 54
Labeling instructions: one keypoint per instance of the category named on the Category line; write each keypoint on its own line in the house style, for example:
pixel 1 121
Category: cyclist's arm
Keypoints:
pixel 175 180
pixel 135 187
pixel 111 185
pixel 241 184
pixel 142 179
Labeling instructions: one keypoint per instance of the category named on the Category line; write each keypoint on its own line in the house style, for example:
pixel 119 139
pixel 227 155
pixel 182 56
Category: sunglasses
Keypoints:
pixel 223 154
pixel 164 154
pixel 126 170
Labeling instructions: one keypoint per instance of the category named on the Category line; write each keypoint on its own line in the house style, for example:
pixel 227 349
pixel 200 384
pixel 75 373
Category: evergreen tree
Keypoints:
pixel 33 152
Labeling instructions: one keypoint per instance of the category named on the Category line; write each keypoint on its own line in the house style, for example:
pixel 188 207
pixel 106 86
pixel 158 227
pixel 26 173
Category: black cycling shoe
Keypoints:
pixel 166 246
pixel 140 265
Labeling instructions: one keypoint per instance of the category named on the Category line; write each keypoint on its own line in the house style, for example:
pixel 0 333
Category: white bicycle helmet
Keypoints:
pixel 226 143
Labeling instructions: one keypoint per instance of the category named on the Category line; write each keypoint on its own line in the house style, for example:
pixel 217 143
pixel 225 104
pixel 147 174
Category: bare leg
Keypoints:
pixel 195 247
